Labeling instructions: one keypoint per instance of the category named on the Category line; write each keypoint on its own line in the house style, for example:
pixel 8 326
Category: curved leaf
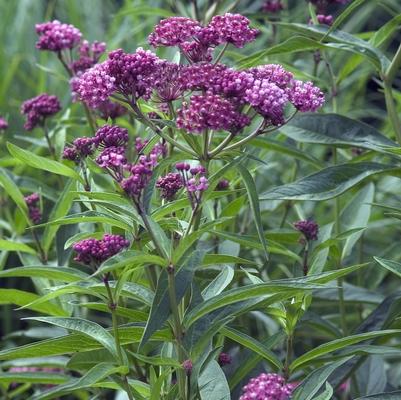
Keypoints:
pixel 328 183
pixel 335 130
pixel 63 274
pixel 393 266
pixel 9 245
pixel 42 163
pixel 88 328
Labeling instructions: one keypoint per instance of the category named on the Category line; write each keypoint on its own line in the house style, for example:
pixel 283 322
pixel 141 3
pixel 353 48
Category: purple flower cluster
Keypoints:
pixel 3 124
pixel 194 180
pixel 305 96
pixel 169 185
pixel 272 6
pixel 210 111
pixel 137 181
pixel 308 228
pixel 38 109
pixel 188 33
pixel 174 31
pixel 89 55
pixel 223 184
pixel 81 148
pixel 324 19
pixel 55 36
pixel 321 5
pixel 224 359
pixel 132 75
pixel 111 135
pixel 93 251
pixel 109 109
pixel 267 387
pixel 35 215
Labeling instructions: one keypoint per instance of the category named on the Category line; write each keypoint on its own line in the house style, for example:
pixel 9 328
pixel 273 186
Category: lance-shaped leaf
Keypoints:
pixel 328 183
pixel 88 328
pixel 335 130
pixel 64 274
pixel 9 245
pixel 393 266
pixel 160 310
pixel 42 163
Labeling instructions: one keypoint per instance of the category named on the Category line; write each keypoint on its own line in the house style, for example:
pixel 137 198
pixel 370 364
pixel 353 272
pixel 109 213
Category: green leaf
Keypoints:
pixel 77 343
pixel 56 273
pixel 316 379
pixel 216 259
pixel 162 241
pixel 213 383
pixel 283 289
pixel 254 203
pixel 9 245
pixel 219 283
pixel 160 310
pixel 42 163
pixel 356 214
pixel 252 344
pixel 164 361
pixel 328 183
pixel 383 396
pixel 59 210
pixel 94 375
pixel 337 345
pixel 32 377
pixel 88 328
pixel 335 130
pixel 327 394
pixel 393 266
pixel 340 39
pixel 21 298
pixel 130 258
pixel 12 190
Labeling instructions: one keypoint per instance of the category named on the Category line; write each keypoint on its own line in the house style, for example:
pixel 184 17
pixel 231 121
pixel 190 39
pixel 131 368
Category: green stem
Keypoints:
pixel 178 334
pixel 288 356
pixel 114 318
pixel 223 144
pixel 49 143
pixel 220 56
pixel 391 109
pixel 42 254
pixel 142 118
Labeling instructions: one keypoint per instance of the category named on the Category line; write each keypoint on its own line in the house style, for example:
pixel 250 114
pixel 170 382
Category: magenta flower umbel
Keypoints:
pixel 81 148
pixel 38 109
pixel 55 36
pixel 267 387
pixel 93 251
pixel 272 6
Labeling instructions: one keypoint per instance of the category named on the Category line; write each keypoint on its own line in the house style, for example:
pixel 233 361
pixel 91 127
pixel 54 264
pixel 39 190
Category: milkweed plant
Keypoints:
pixel 205 215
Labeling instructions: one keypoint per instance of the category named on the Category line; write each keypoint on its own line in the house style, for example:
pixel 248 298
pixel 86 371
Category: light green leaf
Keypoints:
pixel 56 273
pixel 337 345
pixel 42 163
pixel 254 203
pixel 219 283
pixel 9 245
pixel 383 396
pixel 88 328
pixel 213 383
pixel 316 379
pixel 252 344
pixel 21 298
pixel 393 266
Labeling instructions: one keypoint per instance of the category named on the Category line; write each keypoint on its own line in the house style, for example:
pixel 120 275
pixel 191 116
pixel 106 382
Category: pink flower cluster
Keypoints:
pixel 267 387
pixel 93 251
pixel 38 109
pixel 55 36
pixel 3 124
pixel 35 215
